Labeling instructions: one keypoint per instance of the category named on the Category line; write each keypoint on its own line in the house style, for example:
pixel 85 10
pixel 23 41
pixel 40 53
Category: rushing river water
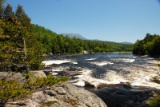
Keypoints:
pixel 108 68
pixel 127 78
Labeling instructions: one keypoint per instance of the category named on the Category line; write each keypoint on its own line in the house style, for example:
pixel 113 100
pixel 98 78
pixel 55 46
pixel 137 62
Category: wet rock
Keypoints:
pixel 88 85
pixel 121 85
pixel 69 73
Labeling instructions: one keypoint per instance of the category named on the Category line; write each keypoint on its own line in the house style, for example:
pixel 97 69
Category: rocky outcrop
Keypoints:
pixel 65 95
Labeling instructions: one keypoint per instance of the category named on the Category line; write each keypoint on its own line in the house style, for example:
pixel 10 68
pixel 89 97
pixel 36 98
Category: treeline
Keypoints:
pixel 23 44
pixel 59 44
pixel 150 45
pixel 19 47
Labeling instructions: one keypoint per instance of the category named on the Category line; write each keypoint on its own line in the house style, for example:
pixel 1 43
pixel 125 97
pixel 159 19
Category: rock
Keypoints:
pixel 83 97
pixel 11 75
pixel 17 76
pixel 39 97
pixel 121 85
pixel 60 90
pixel 3 74
pixel 50 92
pixel 65 95
pixel 39 73
pixel 88 85
pixel 69 73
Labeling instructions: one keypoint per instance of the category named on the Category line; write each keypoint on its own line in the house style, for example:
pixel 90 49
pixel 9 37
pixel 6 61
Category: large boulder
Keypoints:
pixel 65 95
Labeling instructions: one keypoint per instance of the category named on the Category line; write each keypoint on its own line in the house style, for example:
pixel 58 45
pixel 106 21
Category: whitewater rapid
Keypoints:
pixel 137 71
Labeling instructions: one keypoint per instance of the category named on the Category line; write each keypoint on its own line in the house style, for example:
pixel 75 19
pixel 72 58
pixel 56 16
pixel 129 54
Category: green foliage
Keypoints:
pixel 154 101
pixel 59 44
pixel 37 82
pixel 150 45
pixel 18 45
pixel 1 8
pixel 11 89
pixel 22 17
pixel 15 89
pixel 8 12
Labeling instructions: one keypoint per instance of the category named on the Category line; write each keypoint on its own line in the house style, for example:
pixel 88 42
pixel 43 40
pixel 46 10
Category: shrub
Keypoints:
pixel 14 89
pixel 154 101
pixel 11 89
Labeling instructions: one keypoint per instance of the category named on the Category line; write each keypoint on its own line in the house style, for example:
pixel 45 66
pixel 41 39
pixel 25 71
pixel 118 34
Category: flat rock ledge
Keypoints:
pixel 64 95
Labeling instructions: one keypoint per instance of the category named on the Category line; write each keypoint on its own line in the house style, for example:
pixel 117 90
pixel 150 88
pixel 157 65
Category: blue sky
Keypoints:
pixel 108 20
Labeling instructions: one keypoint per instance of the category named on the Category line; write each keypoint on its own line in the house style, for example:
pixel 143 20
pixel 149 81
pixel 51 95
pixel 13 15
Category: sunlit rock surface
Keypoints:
pixel 65 95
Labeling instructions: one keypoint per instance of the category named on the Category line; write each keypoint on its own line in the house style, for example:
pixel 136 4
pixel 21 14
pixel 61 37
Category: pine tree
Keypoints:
pixel 22 16
pixel 8 12
pixel 1 8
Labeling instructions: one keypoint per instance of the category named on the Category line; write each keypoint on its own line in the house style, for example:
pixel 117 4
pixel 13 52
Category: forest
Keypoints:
pixel 59 44
pixel 24 44
pixel 150 45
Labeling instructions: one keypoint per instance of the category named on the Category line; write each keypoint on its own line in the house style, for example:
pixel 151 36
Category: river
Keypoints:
pixel 119 79
pixel 109 68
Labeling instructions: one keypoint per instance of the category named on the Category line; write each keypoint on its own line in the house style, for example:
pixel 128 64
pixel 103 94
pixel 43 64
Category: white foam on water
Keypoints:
pixel 135 75
pixel 80 83
pixel 154 62
pixel 113 77
pixel 75 63
pixel 60 68
pixel 142 76
pixel 101 63
pixel 91 59
pixel 125 60
pixel 57 70
pixel 50 62
pixel 86 77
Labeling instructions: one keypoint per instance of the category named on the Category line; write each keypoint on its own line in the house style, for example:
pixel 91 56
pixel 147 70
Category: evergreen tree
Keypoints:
pixel 1 8
pixel 22 16
pixel 8 12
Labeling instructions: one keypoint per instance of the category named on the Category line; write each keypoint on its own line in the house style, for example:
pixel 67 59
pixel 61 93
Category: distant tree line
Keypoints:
pixel 23 43
pixel 59 44
pixel 150 45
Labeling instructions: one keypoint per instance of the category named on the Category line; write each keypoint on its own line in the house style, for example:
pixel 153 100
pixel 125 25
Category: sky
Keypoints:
pixel 107 20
